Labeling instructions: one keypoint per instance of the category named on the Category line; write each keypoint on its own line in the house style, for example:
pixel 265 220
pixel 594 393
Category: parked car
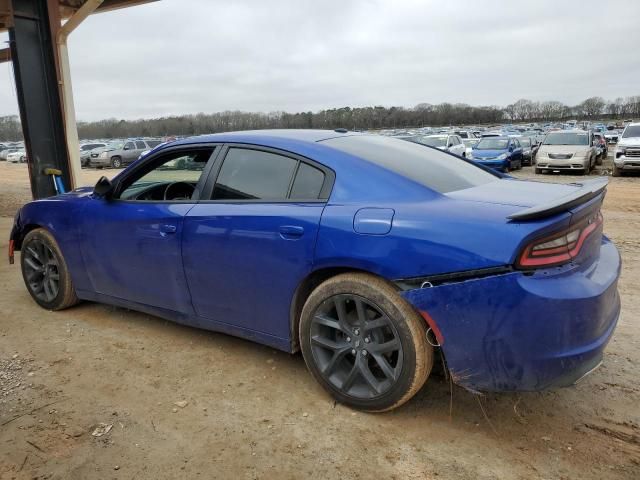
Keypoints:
pixel 627 154
pixel 362 251
pixel 500 153
pixel 19 156
pixel 85 152
pixel 465 134
pixel 119 154
pixel 567 150
pixel 529 149
pixel 447 142
pixel 6 152
pixel 601 147
pixel 469 143
pixel 612 136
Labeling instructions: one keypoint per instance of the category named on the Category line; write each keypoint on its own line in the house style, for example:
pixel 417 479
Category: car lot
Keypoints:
pixel 253 412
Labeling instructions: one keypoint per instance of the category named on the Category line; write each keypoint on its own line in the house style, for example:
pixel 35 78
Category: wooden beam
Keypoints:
pixel 5 55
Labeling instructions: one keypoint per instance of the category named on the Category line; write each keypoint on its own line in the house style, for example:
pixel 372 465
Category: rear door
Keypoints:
pixel 247 248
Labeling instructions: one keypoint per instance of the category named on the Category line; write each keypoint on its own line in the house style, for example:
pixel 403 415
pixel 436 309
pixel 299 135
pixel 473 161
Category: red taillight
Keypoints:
pixel 561 247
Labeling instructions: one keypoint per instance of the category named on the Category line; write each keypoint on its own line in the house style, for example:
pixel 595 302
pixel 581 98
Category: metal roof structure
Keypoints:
pixel 66 8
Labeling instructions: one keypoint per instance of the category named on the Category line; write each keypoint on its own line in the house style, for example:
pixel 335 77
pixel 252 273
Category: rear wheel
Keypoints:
pixel 45 272
pixel 364 343
pixel 116 162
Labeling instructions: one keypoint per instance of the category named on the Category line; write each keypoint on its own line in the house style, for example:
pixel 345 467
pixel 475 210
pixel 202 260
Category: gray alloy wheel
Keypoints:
pixel 364 343
pixel 116 162
pixel 45 272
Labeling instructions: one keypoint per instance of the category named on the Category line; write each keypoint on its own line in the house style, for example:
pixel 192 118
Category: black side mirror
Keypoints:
pixel 103 188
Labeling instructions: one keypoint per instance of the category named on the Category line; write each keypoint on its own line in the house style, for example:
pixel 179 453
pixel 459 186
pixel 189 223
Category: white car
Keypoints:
pixel 448 142
pixel 18 156
pixel 627 154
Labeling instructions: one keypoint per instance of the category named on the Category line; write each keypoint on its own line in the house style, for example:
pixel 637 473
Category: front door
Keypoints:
pixel 247 249
pixel 133 245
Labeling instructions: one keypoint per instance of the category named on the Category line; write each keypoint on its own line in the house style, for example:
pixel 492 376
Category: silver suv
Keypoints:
pixel 627 154
pixel 120 153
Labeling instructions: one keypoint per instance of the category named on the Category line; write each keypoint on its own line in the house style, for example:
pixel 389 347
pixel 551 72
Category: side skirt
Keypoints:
pixel 279 343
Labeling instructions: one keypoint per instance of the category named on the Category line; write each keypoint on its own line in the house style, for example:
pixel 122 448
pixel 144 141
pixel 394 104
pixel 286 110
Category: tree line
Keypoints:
pixel 358 118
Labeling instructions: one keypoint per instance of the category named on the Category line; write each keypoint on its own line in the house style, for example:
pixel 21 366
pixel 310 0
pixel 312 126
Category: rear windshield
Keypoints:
pixel 567 138
pixel 631 131
pixel 492 143
pixel 431 167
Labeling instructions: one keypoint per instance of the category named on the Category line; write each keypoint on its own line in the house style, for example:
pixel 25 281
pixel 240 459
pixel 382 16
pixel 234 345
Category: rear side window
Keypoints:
pixel 431 167
pixel 153 143
pixel 308 183
pixel 254 175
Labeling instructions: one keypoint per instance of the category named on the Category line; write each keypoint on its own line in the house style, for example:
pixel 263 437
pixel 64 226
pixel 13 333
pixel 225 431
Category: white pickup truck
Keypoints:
pixel 627 154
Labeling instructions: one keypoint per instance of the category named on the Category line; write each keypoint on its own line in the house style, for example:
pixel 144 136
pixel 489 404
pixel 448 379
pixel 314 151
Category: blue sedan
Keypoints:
pixel 368 254
pixel 500 153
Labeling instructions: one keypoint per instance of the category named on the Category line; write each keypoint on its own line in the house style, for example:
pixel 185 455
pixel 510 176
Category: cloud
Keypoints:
pixel 174 57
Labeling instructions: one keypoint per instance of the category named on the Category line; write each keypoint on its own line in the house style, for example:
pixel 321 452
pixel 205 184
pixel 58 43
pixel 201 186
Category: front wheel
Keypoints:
pixel 116 162
pixel 45 272
pixel 364 343
pixel 617 172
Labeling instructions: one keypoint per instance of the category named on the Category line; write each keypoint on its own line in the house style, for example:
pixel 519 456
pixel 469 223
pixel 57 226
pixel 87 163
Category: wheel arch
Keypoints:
pixel 304 289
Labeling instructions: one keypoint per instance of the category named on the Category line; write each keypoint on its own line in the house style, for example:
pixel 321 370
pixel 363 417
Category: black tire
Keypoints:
pixel 616 171
pixel 354 347
pixel 538 171
pixel 600 158
pixel 116 162
pixel 45 271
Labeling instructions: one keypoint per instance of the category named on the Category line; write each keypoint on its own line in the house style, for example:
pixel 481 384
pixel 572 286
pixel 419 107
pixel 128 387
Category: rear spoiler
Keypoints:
pixel 588 189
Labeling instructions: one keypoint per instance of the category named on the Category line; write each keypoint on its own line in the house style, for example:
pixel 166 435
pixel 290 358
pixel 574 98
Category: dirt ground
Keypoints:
pixel 252 412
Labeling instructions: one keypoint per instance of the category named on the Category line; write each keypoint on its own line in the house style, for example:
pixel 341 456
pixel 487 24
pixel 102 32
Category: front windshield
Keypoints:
pixel 470 142
pixel 115 146
pixel 632 131
pixel 567 138
pixel 492 143
pixel 432 141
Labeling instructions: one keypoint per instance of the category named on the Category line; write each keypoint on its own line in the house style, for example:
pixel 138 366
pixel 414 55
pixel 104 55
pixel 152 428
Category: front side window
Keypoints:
pixel 141 145
pixel 129 146
pixel 254 175
pixel 173 176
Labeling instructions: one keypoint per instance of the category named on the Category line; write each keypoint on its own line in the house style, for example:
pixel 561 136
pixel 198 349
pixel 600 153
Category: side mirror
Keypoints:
pixel 103 188
pixel 125 148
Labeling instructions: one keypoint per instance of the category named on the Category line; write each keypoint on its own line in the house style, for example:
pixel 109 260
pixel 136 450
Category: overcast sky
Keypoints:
pixel 176 56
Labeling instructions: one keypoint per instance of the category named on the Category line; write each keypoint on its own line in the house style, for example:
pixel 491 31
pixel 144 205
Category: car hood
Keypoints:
pixel 629 141
pixel 480 154
pixel 519 193
pixel 564 149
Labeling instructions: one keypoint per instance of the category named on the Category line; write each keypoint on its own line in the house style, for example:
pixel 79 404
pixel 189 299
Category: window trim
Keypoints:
pixel 155 158
pixel 325 191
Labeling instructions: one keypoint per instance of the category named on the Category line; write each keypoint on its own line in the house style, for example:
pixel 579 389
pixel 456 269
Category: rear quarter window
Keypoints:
pixel 431 167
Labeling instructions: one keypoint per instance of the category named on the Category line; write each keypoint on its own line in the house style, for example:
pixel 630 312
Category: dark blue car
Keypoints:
pixel 367 253
pixel 500 153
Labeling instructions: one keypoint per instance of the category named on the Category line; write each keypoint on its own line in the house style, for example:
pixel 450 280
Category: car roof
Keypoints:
pixel 265 135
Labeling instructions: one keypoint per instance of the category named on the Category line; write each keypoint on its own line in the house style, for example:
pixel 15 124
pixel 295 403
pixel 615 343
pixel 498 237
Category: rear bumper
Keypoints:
pixel 517 332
